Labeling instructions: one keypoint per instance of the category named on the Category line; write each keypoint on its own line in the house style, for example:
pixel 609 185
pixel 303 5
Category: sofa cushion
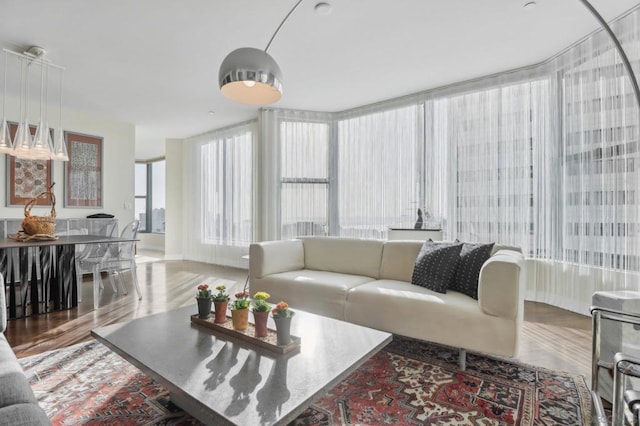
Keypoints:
pixel 23 415
pixel 472 257
pixel 14 387
pixel 343 255
pixel 398 260
pixel 318 292
pixel 435 265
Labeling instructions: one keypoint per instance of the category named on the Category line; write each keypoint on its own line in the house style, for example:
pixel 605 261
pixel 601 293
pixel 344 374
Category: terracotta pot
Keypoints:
pixel 221 312
pixel 260 322
pixel 283 329
pixel 240 318
pixel 204 307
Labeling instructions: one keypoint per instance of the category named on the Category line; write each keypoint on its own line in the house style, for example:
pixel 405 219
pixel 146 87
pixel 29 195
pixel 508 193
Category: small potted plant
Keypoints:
pixel 282 316
pixel 240 311
pixel 203 296
pixel 261 310
pixel 220 301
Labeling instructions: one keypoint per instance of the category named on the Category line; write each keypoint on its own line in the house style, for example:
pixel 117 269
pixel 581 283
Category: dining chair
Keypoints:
pixel 88 254
pixel 115 260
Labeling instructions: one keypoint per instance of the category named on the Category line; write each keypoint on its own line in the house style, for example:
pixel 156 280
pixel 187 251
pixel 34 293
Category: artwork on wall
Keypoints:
pixel 83 171
pixel 27 178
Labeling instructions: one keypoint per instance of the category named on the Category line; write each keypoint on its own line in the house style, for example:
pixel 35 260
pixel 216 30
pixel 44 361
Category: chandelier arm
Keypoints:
pixel 281 24
pixel 621 52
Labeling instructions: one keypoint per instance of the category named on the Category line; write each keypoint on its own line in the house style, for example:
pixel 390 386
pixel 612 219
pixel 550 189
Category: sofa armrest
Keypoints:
pixel 501 285
pixel 272 257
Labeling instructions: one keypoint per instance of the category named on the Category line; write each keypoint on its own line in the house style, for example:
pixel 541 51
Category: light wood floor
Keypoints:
pixel 552 338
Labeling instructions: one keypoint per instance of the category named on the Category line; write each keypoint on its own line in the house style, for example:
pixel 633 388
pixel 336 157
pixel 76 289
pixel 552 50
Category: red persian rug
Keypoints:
pixel 407 383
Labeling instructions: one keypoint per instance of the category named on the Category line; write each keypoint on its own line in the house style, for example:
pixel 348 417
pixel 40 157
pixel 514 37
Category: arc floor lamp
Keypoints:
pixel 251 76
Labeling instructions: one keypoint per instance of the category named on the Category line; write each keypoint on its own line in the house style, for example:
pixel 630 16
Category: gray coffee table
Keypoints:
pixel 221 380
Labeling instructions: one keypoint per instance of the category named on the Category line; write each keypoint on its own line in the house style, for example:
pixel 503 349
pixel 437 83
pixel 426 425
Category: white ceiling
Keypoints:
pixel 155 63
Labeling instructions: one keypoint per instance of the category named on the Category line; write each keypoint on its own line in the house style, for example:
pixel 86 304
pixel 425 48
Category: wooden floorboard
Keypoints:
pixel 552 337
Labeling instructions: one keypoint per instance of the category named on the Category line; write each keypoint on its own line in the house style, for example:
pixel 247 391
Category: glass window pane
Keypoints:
pixel 158 196
pixel 141 213
pixel 304 210
pixel 305 150
pixel 227 189
pixel 378 173
pixel 141 179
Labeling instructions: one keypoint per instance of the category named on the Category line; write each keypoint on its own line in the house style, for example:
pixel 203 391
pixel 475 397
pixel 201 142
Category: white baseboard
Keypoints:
pixel 174 257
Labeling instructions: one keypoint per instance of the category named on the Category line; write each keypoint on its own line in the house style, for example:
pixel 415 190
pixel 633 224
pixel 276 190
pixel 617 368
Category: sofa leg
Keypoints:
pixel 462 359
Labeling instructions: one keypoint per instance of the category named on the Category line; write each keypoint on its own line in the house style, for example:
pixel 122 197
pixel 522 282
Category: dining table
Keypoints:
pixel 40 274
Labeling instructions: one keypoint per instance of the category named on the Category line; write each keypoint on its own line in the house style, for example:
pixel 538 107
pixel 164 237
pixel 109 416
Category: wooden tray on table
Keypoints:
pixel 268 342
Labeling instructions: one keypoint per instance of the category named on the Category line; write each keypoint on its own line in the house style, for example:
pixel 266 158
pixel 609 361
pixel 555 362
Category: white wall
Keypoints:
pixel 117 168
pixel 149 241
pixel 173 249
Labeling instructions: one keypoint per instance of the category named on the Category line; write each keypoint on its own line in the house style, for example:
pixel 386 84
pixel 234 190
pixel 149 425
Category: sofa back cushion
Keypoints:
pixel 343 255
pixel 398 260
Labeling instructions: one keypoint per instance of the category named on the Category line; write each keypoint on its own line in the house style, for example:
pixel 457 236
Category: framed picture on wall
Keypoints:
pixel 83 171
pixel 27 178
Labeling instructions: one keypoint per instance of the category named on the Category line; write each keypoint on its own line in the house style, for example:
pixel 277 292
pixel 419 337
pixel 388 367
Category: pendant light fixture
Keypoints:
pixel 60 144
pixel 6 145
pixel 251 76
pixel 39 147
pixel 42 146
pixel 22 141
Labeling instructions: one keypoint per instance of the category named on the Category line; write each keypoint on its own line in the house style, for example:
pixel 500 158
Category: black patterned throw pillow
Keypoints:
pixel 435 265
pixel 472 257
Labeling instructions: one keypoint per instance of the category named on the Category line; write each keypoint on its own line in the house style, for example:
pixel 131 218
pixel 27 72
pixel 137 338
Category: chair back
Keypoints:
pixel 127 249
pixel 96 251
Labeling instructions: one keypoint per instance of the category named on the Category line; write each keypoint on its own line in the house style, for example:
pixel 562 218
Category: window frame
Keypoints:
pixel 149 195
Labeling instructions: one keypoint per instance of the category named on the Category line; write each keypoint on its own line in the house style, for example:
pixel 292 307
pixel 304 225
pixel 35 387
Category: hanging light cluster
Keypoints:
pixel 40 146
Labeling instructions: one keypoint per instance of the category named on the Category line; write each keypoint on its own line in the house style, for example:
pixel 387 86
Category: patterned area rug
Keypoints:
pixel 407 383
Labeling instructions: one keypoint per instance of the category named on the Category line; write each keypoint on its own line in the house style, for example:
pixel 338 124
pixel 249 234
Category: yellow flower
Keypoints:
pixel 261 295
pixel 221 287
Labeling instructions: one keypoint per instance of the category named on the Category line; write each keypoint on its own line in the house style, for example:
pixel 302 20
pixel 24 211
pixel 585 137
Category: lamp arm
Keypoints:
pixel 285 20
pixel 616 42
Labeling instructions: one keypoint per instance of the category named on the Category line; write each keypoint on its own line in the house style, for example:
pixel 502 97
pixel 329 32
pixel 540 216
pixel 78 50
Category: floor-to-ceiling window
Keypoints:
pixel 218 196
pixel 544 158
pixel 225 163
pixel 150 183
pixel 379 164
pixel 304 170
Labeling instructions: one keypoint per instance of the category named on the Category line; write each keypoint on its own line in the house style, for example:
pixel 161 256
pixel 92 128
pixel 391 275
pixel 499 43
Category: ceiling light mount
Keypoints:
pixel 322 8
pixel 251 76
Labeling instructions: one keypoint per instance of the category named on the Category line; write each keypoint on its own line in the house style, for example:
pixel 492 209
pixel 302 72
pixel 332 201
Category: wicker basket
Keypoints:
pixel 40 225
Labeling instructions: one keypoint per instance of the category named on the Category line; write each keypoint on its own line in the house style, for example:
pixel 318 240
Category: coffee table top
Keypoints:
pixel 222 380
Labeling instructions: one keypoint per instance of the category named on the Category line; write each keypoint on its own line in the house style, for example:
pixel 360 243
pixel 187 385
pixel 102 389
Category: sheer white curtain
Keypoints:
pixel 297 159
pixel 218 194
pixel 482 145
pixel 597 209
pixel 379 168
pixel 545 158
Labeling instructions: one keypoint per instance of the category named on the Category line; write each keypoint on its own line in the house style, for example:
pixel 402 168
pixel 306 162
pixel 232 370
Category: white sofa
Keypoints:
pixel 368 282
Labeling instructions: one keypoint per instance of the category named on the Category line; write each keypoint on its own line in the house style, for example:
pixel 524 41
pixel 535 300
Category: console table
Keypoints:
pixel 414 234
pixel 54 262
